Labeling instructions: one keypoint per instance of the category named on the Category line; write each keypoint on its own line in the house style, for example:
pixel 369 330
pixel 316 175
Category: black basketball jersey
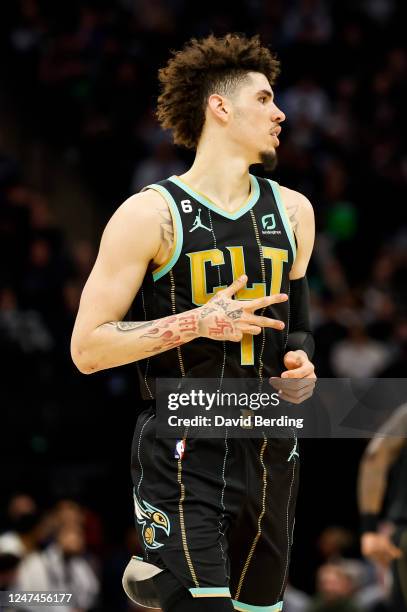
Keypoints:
pixel 211 248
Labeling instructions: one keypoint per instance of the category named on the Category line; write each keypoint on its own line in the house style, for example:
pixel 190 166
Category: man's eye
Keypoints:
pixel 263 99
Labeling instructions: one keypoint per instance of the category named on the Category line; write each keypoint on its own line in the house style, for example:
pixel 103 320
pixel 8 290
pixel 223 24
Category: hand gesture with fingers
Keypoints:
pixel 225 318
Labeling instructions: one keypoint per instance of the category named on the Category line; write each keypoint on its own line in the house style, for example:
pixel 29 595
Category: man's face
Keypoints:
pixel 255 121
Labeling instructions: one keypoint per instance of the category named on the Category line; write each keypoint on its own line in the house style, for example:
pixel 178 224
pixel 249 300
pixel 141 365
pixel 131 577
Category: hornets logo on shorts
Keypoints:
pixel 150 519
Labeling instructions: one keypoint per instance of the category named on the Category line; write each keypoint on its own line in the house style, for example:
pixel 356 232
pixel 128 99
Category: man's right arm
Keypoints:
pixel 131 243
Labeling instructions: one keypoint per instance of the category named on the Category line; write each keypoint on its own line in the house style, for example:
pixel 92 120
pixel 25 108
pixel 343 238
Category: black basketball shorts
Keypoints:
pixel 216 514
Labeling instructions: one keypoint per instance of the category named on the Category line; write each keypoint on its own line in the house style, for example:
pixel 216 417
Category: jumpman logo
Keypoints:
pixel 198 223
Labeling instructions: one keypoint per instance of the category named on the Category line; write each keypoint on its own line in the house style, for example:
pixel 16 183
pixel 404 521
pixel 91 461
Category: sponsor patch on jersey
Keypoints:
pixel 179 449
pixel 269 223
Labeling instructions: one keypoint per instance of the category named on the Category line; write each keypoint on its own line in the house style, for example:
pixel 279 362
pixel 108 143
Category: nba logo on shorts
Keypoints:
pixel 179 449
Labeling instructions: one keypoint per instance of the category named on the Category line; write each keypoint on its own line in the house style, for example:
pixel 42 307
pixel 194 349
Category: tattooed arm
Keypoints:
pixel 301 216
pixel 101 339
pixel 222 318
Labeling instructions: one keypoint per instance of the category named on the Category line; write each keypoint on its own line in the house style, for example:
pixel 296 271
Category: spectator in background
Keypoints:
pixel 358 355
pixel 22 331
pixel 24 526
pixel 9 562
pixel 335 589
pixel 338 545
pixel 335 542
pixel 22 537
pixel 61 566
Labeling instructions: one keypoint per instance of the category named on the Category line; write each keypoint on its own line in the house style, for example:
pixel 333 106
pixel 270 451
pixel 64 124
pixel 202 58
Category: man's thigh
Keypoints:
pixel 184 504
pixel 261 539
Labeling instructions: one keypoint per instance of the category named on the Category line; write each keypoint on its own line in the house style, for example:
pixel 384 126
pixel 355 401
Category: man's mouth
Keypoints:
pixel 275 132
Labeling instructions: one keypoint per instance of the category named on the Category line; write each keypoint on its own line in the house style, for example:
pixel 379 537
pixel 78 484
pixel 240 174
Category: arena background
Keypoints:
pixel 78 136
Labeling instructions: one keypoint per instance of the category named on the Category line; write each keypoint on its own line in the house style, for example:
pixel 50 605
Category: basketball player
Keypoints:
pixel 383 474
pixel 213 263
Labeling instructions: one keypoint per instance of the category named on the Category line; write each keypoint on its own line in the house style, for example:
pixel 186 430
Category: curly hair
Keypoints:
pixel 202 68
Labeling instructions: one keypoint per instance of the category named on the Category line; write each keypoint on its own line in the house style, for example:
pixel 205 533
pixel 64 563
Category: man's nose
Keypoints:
pixel 278 115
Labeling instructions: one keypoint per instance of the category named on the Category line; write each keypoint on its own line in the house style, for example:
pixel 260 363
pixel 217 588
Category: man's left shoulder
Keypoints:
pixel 292 198
pixel 300 213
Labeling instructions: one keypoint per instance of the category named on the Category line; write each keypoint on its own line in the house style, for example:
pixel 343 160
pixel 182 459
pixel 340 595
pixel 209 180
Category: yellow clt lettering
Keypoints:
pixel 198 262
pixel 257 290
pixel 247 350
pixel 278 258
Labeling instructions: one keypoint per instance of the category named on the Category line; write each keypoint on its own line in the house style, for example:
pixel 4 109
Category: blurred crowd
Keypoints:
pixel 82 80
pixel 63 548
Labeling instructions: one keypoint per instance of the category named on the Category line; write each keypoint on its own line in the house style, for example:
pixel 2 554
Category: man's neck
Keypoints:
pixel 222 178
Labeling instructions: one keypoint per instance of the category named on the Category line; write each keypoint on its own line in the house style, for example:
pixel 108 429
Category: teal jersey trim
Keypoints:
pixel 242 607
pixel 178 232
pixel 254 196
pixel 210 591
pixel 283 213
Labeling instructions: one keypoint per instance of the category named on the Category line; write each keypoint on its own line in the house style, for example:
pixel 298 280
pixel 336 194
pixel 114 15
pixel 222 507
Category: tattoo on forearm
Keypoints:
pixel 131 325
pixel 160 325
pixel 205 311
pixel 168 340
pixel 159 330
pixel 164 335
pixel 188 323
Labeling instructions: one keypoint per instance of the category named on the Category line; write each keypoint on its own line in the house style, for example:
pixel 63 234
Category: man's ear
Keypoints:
pixel 219 107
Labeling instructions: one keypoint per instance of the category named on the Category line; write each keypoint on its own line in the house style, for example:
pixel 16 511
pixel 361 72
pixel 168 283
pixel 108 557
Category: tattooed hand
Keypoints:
pixel 224 318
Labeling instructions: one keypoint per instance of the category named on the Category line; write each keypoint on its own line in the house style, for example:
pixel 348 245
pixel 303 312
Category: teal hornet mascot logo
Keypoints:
pixel 268 222
pixel 150 519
